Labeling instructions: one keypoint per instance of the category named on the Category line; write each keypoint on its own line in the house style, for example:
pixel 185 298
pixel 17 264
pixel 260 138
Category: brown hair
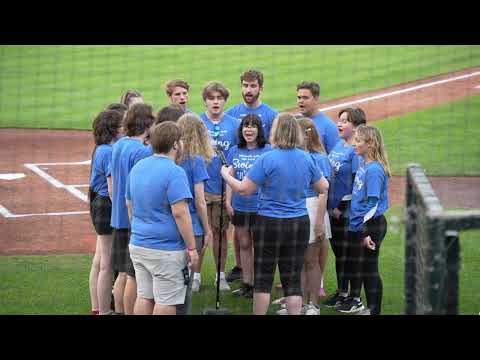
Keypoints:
pixel 355 115
pixel 286 131
pixel 312 141
pixel 310 85
pixel 376 149
pixel 196 139
pixel 170 112
pixel 163 136
pixel 105 126
pixel 172 84
pixel 129 95
pixel 213 86
pixel 252 75
pixel 138 119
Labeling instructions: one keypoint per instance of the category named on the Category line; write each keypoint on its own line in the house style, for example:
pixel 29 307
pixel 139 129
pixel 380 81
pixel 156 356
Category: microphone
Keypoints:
pixel 219 151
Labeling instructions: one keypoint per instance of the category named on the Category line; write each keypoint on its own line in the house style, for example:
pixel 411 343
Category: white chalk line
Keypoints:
pixel 12 176
pixel 402 91
pixel 4 211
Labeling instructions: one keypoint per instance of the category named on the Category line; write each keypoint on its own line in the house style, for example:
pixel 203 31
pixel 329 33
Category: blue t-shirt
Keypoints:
pixel 153 186
pixel 226 137
pixel 321 162
pixel 344 163
pixel 264 112
pixel 126 153
pixel 101 169
pixel 196 172
pixel 242 160
pixel 370 181
pixel 283 177
pixel 327 129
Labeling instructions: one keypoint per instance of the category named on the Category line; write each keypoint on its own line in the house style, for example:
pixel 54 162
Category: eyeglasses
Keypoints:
pixel 216 131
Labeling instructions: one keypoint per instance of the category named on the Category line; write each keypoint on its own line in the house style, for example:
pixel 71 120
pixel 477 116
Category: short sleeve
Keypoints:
pixel 178 188
pixel 314 171
pixel 374 180
pixel 257 172
pixel 200 173
pixel 107 160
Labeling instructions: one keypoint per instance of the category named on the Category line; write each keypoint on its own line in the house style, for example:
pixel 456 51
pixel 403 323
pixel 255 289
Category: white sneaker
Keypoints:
pixel 196 285
pixel 280 301
pixel 283 311
pixel 223 284
pixel 364 312
pixel 310 309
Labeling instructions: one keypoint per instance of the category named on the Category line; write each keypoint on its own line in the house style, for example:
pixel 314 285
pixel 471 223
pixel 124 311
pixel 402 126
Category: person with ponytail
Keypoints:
pixel 367 224
pixel 107 128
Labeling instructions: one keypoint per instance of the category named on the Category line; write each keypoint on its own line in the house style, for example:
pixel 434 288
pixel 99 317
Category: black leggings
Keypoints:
pixel 339 242
pixel 362 264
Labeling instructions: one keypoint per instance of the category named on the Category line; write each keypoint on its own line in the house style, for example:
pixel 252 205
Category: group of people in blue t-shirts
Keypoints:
pixel 292 183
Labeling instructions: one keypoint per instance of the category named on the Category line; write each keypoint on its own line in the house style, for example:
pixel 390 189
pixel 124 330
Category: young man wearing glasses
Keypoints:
pixel 223 131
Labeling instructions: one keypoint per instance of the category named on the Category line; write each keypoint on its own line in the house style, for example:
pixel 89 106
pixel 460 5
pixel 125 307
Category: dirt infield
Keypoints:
pixel 43 212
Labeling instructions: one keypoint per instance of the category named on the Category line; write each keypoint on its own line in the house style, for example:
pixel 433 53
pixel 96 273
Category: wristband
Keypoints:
pixel 191 249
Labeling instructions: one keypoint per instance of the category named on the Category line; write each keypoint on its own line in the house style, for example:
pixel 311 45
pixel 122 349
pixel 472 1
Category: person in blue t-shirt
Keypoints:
pixel 313 271
pixel 177 92
pixel 107 128
pixel 157 196
pixel 251 83
pixel 126 153
pixel 282 226
pixel 308 94
pixel 197 152
pixel 242 209
pixel 368 226
pixel 344 164
pixel 223 131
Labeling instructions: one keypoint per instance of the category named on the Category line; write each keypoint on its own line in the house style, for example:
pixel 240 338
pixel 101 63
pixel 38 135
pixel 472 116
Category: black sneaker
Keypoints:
pixel 332 300
pixel 234 274
pixel 350 305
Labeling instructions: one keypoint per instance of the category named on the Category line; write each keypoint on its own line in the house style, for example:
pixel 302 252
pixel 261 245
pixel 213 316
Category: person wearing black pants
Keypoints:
pixel 368 226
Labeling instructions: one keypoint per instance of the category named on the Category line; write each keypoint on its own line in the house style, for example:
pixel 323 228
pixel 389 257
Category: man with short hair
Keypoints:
pixel 308 94
pixel 251 85
pixel 177 92
pixel 223 130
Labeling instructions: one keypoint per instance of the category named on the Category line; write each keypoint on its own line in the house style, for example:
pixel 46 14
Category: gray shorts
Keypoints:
pixel 159 274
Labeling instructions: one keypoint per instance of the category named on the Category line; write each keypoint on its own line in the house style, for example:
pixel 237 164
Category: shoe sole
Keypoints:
pixel 351 311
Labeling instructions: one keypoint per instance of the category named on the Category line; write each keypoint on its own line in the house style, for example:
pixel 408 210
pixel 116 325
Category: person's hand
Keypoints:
pixel 225 171
pixel 336 213
pixel 229 209
pixel 319 231
pixel 193 257
pixel 208 238
pixel 368 243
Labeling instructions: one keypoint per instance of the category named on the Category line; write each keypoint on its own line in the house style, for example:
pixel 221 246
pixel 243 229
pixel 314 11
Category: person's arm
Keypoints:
pixel 201 207
pixel 228 201
pixel 321 186
pixel 181 214
pixel 130 210
pixel 244 187
pixel 110 186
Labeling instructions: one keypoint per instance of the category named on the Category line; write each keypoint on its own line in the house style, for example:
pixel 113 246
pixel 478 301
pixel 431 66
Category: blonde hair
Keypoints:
pixel 312 141
pixel 195 136
pixel 376 149
pixel 286 133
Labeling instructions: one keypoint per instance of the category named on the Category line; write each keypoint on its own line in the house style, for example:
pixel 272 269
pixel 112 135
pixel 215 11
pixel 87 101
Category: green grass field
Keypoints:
pixel 443 139
pixel 65 86
pixel 58 285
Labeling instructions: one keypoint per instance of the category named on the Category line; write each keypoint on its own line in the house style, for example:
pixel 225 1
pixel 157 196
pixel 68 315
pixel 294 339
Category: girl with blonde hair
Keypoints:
pixel 368 226
pixel 197 151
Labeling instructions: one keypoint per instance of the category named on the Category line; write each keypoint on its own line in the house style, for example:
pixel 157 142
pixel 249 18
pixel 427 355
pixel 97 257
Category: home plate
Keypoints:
pixel 11 176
